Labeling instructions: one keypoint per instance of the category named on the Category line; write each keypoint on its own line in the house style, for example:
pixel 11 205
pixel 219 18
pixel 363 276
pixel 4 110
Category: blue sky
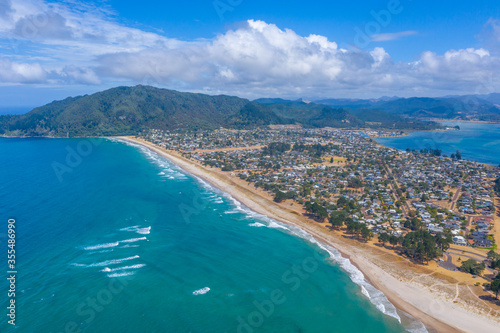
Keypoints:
pixel 328 49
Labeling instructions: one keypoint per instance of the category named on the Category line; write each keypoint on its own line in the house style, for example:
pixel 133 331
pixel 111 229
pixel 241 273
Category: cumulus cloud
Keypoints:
pixel 255 54
pixel 76 24
pixel 15 72
pixel 49 26
pixel 5 9
pixel 73 74
pixel 82 44
pixel 265 59
pixel 35 73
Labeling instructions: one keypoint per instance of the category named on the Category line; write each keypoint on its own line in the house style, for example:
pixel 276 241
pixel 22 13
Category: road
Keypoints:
pixel 480 257
pixel 394 184
pixel 448 264
pixel 475 256
pixel 455 199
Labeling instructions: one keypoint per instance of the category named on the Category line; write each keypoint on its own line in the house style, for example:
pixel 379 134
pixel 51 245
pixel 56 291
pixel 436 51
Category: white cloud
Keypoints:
pixel 15 72
pixel 256 54
pixel 5 9
pixel 77 25
pixel 494 25
pixel 261 59
pixel 392 35
pixel 80 44
pixel 73 74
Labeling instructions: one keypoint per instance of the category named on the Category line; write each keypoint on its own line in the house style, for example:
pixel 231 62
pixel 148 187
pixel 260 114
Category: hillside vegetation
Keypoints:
pixel 129 110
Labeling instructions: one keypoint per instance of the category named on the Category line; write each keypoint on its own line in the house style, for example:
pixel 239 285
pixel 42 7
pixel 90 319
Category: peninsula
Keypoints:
pixel 368 202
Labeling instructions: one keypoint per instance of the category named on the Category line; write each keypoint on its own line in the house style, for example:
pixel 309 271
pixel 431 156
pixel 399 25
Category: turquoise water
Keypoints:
pixel 476 142
pixel 113 238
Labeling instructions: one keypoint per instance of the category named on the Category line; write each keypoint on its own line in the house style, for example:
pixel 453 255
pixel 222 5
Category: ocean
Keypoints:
pixel 111 237
pixel 476 142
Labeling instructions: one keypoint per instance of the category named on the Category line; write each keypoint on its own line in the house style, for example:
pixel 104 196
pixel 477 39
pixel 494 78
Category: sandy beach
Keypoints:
pixel 438 300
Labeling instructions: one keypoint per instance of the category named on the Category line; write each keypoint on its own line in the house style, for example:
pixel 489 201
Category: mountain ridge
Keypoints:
pixel 465 107
pixel 129 110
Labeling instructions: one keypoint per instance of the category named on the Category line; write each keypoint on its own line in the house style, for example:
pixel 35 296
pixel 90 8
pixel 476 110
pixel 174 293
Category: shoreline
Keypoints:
pixel 410 299
pixel 462 121
pixel 403 150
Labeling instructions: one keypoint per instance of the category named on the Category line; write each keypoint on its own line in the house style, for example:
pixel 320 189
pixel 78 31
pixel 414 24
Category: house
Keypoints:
pixel 459 240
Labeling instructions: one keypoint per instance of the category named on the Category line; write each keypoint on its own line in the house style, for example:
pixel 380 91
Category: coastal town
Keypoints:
pixel 431 209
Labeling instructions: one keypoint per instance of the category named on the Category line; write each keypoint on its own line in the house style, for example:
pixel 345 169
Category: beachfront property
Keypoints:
pixel 385 188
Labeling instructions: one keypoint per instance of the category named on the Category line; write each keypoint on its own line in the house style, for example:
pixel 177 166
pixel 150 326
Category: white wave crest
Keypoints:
pixel 132 228
pixel 257 224
pixel 201 291
pixel 107 262
pixel 107 269
pixel 100 246
pixel 144 231
pixel 138 229
pixel 113 244
pixel 115 275
pixel 132 240
pixel 159 160
pixel 375 296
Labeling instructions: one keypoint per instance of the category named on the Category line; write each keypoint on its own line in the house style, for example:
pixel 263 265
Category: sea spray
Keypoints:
pixel 240 264
pixel 375 296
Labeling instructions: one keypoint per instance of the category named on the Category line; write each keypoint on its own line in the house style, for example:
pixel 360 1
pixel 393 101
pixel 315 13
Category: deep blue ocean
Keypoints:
pixel 113 238
pixel 476 142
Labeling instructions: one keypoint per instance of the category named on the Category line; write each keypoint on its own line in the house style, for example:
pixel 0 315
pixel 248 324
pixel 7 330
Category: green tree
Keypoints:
pixel 420 245
pixel 366 233
pixel 279 196
pixel 414 224
pixel 393 240
pixel 443 240
pixel 495 285
pixel 473 267
pixel 383 238
pixel 495 264
pixel 493 255
pixel 337 219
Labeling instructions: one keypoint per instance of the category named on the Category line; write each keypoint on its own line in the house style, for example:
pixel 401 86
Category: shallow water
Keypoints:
pixel 476 142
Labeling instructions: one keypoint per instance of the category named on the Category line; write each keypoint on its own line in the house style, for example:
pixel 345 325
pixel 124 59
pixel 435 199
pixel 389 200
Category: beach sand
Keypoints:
pixel 438 300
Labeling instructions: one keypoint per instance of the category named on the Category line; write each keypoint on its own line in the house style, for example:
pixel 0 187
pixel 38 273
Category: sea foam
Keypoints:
pixel 133 240
pixel 107 262
pixel 107 269
pixel 138 229
pixel 113 244
pixel 115 275
pixel 201 291
pixel 257 224
pixel 172 171
pixel 376 297
pixel 101 246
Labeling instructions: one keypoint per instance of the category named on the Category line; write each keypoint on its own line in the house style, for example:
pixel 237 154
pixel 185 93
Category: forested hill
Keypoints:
pixel 467 107
pixel 128 110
